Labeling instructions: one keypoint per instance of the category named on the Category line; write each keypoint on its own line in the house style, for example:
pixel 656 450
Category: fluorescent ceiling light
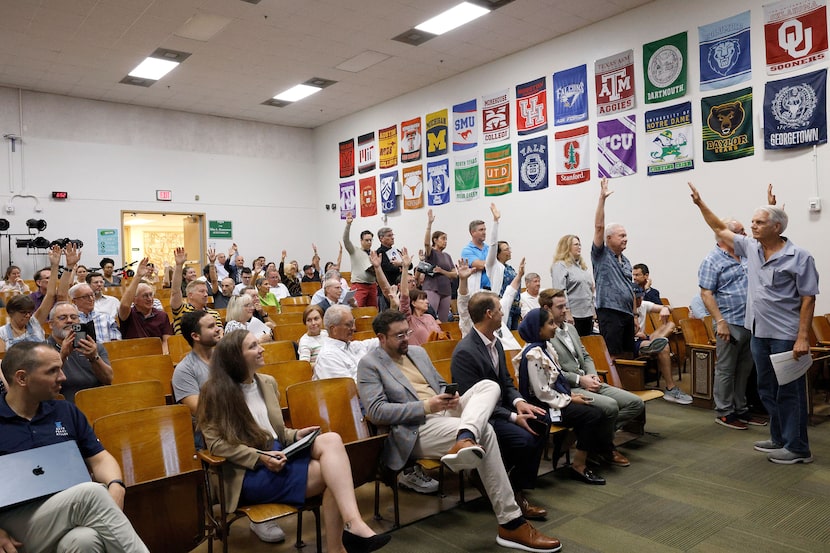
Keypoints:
pixel 153 68
pixel 297 93
pixel 452 18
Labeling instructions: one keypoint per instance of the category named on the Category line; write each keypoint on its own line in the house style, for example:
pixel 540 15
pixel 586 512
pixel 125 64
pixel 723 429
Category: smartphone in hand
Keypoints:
pixel 450 389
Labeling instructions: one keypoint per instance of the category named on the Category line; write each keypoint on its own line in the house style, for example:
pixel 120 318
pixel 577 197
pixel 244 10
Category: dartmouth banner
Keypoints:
pixel 664 65
pixel 794 111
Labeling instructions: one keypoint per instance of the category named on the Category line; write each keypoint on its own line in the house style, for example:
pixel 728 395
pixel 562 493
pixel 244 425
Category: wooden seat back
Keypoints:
pixel 453 329
pixel 278 352
pixel 441 349
pixel 289 332
pixel 694 332
pixel 145 367
pixel 368 311
pixel 624 373
pixel 821 328
pixel 178 348
pixel 331 403
pixel 107 400
pixel 287 374
pixel 709 323
pixel 678 314
pixel 295 300
pixel 309 288
pixel 364 335
pixel 362 324
pixel 286 318
pixel 133 347
pixel 444 368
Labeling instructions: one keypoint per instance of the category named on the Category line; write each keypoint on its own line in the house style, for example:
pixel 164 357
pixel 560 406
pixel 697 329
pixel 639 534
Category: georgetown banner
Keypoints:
pixel 465 126
pixel 668 131
pixel 664 65
pixel 727 126
pixel 795 33
pixel 617 145
pixel 532 107
pixel 388 192
pixel 466 176
pixel 572 163
pixel 438 182
pixel 614 80
pixel 725 56
pixel 570 95
pixel 533 164
pixel 795 112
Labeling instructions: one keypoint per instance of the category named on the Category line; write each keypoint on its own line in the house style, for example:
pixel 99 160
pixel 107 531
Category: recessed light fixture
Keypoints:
pixel 452 18
pixel 154 67
pixel 297 92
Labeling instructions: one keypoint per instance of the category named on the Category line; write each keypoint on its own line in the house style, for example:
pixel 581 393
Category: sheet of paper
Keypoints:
pixel 788 369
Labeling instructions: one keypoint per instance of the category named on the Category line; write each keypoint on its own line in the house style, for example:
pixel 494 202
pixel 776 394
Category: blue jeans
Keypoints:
pixel 786 405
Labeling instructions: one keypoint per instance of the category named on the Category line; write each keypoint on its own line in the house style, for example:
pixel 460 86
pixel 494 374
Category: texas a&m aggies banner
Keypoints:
pixel 795 32
pixel 614 80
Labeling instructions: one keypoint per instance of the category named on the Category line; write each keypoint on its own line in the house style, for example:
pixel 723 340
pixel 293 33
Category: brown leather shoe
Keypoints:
pixel 533 512
pixel 527 538
pixel 618 459
pixel 465 454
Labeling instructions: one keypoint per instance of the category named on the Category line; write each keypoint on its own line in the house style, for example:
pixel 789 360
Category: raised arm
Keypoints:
pixel 315 259
pixel 493 241
pixel 214 279
pixel 383 283
pixel 428 235
pixel 42 313
pixel 129 294
pixel 72 256
pixel 176 300
pixel 339 255
pixel 725 236
pixel 599 217
pixel 347 241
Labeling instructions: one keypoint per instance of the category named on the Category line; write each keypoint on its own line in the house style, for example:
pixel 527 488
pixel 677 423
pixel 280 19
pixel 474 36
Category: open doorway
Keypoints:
pixel 157 234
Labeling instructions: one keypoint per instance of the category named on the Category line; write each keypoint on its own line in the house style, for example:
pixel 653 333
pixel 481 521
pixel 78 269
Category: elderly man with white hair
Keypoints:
pixel 139 318
pixel 104 327
pixel 339 354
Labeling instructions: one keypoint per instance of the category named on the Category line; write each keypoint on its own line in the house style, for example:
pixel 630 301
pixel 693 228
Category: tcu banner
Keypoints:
pixel 348 202
pixel 438 182
pixel 388 192
pixel 794 111
pixel 795 32
pixel 617 145
pixel 531 106
pixel 614 80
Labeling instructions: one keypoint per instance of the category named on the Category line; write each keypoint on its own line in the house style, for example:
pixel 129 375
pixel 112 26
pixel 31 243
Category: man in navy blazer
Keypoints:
pixel 480 356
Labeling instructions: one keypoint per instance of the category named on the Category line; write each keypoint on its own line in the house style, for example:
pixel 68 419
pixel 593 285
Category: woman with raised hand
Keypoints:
pixel 438 285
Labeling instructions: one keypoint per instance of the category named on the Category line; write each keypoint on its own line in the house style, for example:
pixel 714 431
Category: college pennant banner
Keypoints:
pixel 366 152
pixel 795 112
pixel 347 158
pixel 572 163
pixel 795 34
pixel 667 130
pixel 532 106
pixel 570 95
pixel 436 133
pixel 388 192
pixel 533 164
pixel 348 201
pixel 498 171
pixel 664 65
pixel 411 140
pixel 614 81
pixel 388 139
pixel 725 56
pixel 413 187
pixel 438 182
pixel 465 171
pixel 617 146
pixel 727 126
pixel 465 126
pixel 495 116
pixel 368 197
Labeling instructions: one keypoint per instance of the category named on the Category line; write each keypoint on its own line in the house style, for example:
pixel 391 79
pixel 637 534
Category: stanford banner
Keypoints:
pixel 368 197
pixel 668 130
pixel 533 164
pixel 411 140
pixel 795 33
pixel 617 145
pixel 348 201
pixel 388 192
pixel 727 126
pixel 570 95
pixel 347 158
pixel 532 107
pixel 572 163
pixel 664 65
pixel 366 152
pixel 614 81
pixel 438 182
pixel 388 139
pixel 436 133
pixel 495 116
pixel 725 56
pixel 498 171
pixel 795 112
pixel 466 175
pixel 413 187
pixel 465 126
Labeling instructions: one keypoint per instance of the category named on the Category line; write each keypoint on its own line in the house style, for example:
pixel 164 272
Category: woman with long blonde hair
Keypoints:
pixel 570 273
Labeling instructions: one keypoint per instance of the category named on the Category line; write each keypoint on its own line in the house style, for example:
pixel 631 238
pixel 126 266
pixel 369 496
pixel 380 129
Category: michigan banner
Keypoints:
pixel 727 126
pixel 465 171
pixel 664 65
pixel 436 133
pixel 725 56
pixel 533 164
pixel 570 95
pixel 794 111
pixel 388 189
pixel 498 171
pixel 668 130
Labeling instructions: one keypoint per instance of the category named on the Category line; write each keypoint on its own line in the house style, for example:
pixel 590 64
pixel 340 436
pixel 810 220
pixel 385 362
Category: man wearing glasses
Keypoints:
pixel 84 299
pixel 339 354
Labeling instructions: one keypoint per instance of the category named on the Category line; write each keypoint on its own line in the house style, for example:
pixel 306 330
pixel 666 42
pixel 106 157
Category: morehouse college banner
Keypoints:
pixel 438 182
pixel 366 152
pixel 614 80
pixel 388 139
pixel 495 116
pixel 617 146
pixel 572 163
pixel 795 33
pixel 347 158
pixel 725 56
pixel 388 196
pixel 668 130
pixel 411 140
pixel 532 107
pixel 533 164
pixel 727 126
pixel 794 111
pixel 466 176
pixel 664 65
pixel 368 198
pixel 465 126
pixel 348 201
pixel 570 95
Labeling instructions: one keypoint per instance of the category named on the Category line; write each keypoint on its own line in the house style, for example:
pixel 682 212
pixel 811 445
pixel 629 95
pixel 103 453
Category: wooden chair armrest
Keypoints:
pixel 707 346
pixel 629 362
pixel 206 457
pixel 603 374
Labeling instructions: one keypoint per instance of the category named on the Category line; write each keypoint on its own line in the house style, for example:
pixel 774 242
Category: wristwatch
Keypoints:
pixel 116 481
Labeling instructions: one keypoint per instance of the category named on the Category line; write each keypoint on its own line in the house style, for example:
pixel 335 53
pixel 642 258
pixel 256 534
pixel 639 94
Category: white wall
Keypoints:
pixel 665 229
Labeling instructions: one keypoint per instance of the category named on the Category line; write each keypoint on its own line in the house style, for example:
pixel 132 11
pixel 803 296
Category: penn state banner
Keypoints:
pixel 411 140
pixel 495 116
pixel 614 82
pixel 667 131
pixel 533 164
pixel 466 176
pixel 532 106
pixel 347 158
pixel 413 187
pixel 795 34
pixel 664 68
pixel 725 56
pixel 572 163
pixel 438 182
pixel 366 152
pixel 368 197
pixel 795 112
pixel 436 133
pixel 617 146
pixel 388 189
pixel 348 200
pixel 498 171
pixel 727 126
pixel 388 139
pixel 570 95
pixel 465 126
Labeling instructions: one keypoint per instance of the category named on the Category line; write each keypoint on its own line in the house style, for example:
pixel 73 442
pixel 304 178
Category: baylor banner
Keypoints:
pixel 664 65
pixel 794 111
pixel 727 126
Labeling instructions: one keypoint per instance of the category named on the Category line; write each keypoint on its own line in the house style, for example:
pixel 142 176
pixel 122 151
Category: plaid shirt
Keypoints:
pixel 105 328
pixel 726 278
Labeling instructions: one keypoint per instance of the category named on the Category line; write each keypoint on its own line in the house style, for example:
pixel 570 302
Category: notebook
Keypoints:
pixel 40 472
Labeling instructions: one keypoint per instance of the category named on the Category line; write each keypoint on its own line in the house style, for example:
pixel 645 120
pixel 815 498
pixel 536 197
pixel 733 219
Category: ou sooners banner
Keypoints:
pixel 413 187
pixel 411 140
pixel 570 95
pixel 348 202
pixel 498 171
pixel 465 126
pixel 347 158
pixel 614 80
pixel 368 198
pixel 388 191
pixel 533 164
pixel 572 163
pixel 669 130
pixel 794 111
pixel 532 106
pixel 617 145
pixel 495 116
pixel 725 55
pixel 795 33
pixel 388 139
pixel 436 133
pixel 438 182
pixel 466 176
pixel 366 152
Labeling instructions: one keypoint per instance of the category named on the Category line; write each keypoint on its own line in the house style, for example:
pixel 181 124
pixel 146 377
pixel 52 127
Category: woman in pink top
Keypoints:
pixel 414 305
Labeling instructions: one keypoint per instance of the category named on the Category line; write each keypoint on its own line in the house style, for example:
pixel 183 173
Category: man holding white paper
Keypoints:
pixel 781 297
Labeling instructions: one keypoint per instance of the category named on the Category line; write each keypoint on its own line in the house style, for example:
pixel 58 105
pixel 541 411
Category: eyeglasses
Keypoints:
pixel 86 297
pixel 403 335
pixel 72 317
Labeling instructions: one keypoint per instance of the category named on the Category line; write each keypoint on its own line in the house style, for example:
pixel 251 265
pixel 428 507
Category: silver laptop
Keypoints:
pixel 40 472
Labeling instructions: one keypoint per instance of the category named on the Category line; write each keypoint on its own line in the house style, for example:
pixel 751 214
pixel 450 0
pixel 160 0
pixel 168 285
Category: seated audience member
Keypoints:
pixel 240 418
pixel 137 314
pixel 86 517
pixel 541 379
pixel 438 285
pixel 42 282
pixel 310 274
pixel 108 270
pixel 79 274
pixel 332 295
pixel 289 274
pixel 247 277
pixel 641 278
pixel 234 264
pixel 13 281
pixel 196 294
pixel 240 316
pixel 414 305
pixel 363 273
pixel 152 276
pixel 530 297
pixel 225 293
pixel 103 303
pixel 403 394
pixel 87 364
pixel 339 354
pixel 275 285
pixel 259 311
pixel 104 326
pixel 266 297
pixel 311 342
pixel 465 324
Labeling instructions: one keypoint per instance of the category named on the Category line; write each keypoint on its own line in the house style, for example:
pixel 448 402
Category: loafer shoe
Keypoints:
pixel 465 454
pixel 533 512
pixel 617 459
pixel 784 456
pixel 587 477
pixel 527 538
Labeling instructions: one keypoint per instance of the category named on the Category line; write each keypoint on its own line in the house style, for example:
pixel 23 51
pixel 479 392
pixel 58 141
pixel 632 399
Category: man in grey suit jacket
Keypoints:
pixel 403 394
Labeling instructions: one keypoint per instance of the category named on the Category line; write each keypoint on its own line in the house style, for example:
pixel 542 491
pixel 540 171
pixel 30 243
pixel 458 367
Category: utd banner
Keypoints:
pixel 725 56
pixel 617 145
pixel 570 95
pixel 727 126
pixel 465 126
pixel 438 182
pixel 614 81
pixel 366 152
pixel 795 33
pixel 411 140
pixel 667 130
pixel 348 201
pixel 413 187
pixel 532 106
pixel 533 164
pixel 388 192
pixel 664 65
pixel 795 112
pixel 368 197
pixel 436 133
pixel 495 116
pixel 388 139
pixel 347 158
pixel 498 171
pixel 466 175
pixel 572 163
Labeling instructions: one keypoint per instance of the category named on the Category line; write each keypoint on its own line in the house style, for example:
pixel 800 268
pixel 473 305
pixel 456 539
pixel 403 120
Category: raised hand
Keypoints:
pixel 211 253
pixel 430 217
pixel 180 256
pixel 54 255
pixel 604 191
pixel 695 194
pixel 405 257
pixel 349 218
pixel 463 268
pixel 72 254
pixel 143 269
pixel 770 196
pixel 495 211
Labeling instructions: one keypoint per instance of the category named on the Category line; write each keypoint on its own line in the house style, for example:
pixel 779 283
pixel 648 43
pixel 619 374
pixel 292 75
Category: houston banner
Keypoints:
pixel 466 173
pixel 617 146
pixel 570 95
pixel 795 113
pixel 465 126
pixel 388 191
pixel 725 56
pixel 533 164
pixel 388 139
pixel 368 197
pixel 727 126
pixel 614 81
pixel 347 158
pixel 498 171
pixel 413 187
pixel 348 201
pixel 438 182
pixel 572 163
pixel 795 34
pixel 495 116
pixel 411 140
pixel 436 133
pixel 668 130
pixel 366 152
pixel 532 106
pixel 664 65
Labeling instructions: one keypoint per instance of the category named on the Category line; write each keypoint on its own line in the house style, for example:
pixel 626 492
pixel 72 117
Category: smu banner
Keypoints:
pixel 532 106
pixel 533 164
pixel 668 130
pixel 347 158
pixel 388 139
pixel 436 133
pixel 413 187
pixel 617 145
pixel 388 189
pixel 348 202
pixel 466 176
pixel 572 163
pixel 727 126
pixel 570 95
pixel 614 80
pixel 368 197
pixel 495 116
pixel 664 65
pixel 438 182
pixel 795 33
pixel 465 126
pixel 411 140
pixel 794 111
pixel 725 58
pixel 366 152
pixel 498 171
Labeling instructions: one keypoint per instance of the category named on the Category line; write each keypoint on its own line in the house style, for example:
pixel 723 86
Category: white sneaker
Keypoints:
pixel 268 531
pixel 675 395
pixel 418 480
